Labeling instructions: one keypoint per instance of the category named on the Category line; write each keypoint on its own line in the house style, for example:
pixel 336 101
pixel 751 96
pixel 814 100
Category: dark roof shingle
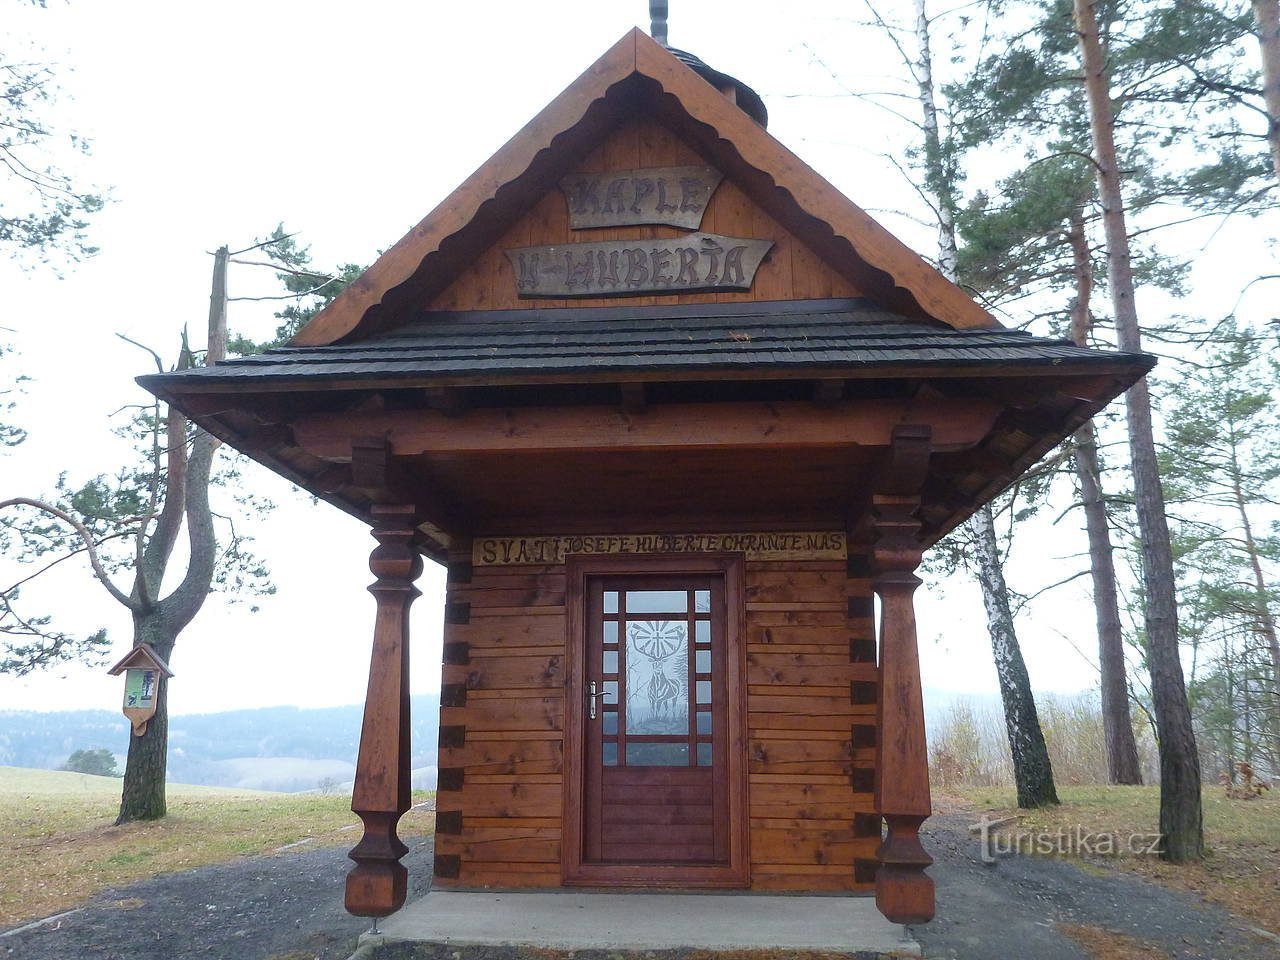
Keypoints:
pixel 501 345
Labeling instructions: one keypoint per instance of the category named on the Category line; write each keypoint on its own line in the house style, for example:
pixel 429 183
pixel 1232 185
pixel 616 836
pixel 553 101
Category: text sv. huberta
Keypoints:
pixel 699 261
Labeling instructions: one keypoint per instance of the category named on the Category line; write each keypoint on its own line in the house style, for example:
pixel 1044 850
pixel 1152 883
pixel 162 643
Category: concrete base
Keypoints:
pixel 650 921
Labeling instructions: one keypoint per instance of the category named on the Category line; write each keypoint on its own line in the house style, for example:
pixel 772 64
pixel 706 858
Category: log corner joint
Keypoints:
pixel 378 884
pixel 904 892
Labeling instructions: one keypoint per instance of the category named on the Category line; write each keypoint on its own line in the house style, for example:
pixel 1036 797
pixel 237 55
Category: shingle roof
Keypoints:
pixel 508 344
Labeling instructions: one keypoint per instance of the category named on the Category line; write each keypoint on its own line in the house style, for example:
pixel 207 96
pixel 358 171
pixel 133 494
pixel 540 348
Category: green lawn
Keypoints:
pixel 59 845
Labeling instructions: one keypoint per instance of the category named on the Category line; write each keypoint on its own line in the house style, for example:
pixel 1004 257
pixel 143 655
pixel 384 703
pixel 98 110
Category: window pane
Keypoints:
pixel 611 661
pixel 610 631
pixel 611 754
pixel 702 661
pixel 611 601
pixel 702 631
pixel 704 754
pixel 657 676
pixel 657 601
pixel 611 722
pixel 704 723
pixel 702 601
pixel 704 691
pixel 657 754
pixel 609 689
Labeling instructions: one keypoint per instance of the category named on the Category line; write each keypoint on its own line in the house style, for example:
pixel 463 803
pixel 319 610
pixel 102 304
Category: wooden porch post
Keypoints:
pixel 378 884
pixel 904 893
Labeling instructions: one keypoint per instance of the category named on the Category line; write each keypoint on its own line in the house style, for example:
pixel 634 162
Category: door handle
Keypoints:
pixel 591 699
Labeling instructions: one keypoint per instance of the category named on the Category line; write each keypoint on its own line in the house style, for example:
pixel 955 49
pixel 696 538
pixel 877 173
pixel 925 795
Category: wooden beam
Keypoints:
pixel 709 426
pixel 828 392
pixel 904 893
pixel 378 884
pixel 447 400
pixel 369 403
pixel 634 400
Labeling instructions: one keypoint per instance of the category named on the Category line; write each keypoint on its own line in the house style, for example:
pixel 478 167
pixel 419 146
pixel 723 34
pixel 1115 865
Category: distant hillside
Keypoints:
pixel 274 748
pixel 46 783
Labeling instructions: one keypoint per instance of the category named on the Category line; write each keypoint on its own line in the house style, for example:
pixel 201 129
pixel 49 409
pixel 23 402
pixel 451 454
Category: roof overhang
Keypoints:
pixel 571 450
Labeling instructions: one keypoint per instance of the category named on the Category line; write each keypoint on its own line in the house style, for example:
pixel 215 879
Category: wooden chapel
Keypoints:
pixel 673 411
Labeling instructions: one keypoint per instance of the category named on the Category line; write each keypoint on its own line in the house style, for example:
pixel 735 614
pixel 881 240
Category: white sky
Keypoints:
pixel 349 123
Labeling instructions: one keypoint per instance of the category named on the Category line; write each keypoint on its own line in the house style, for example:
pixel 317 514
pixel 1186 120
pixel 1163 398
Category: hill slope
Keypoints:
pixel 273 748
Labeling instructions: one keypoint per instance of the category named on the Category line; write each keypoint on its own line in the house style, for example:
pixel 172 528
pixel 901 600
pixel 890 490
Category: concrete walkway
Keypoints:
pixel 649 921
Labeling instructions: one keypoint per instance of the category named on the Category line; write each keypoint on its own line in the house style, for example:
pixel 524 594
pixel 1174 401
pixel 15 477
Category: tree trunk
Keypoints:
pixel 1266 624
pixel 1117 725
pixel 938 178
pixel 1181 817
pixel 1267 15
pixel 1032 771
pixel 142 795
pixel 159 622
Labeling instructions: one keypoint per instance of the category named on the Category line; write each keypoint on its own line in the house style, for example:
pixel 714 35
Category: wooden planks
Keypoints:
pixel 807 735
pixel 791 270
pixel 809 743
pixel 499 806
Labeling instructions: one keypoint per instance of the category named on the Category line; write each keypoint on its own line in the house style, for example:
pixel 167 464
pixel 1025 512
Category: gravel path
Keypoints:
pixel 1007 910
pixel 283 907
pixel 289 907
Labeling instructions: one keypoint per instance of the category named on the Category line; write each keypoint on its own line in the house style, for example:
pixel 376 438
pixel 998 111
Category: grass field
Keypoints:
pixel 58 844
pixel 1240 873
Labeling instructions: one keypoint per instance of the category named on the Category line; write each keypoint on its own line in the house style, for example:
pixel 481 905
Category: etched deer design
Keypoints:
pixel 663 643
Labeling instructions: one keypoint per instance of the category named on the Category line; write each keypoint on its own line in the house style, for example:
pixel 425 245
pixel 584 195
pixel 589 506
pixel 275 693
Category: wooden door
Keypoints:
pixel 656 723
pixel 655 753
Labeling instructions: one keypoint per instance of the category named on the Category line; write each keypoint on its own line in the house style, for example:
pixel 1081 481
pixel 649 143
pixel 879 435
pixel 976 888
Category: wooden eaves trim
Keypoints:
pixel 1087 372
pixel 354 310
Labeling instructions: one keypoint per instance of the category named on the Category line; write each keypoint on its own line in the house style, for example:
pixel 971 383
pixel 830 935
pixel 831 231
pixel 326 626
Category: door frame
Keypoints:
pixel 735 874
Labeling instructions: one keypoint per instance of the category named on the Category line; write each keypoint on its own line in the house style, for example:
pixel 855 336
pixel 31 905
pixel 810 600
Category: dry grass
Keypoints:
pixel 1108 945
pixel 1241 872
pixel 58 844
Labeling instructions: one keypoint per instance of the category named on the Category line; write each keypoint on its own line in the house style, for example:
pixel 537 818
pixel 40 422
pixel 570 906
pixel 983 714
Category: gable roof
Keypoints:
pixel 634 76
pixel 758 339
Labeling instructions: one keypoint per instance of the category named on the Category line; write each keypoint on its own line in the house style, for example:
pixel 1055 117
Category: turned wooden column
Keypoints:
pixel 377 886
pixel 904 893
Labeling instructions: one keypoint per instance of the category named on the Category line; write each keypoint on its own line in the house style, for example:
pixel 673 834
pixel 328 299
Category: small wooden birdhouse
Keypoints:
pixel 144 671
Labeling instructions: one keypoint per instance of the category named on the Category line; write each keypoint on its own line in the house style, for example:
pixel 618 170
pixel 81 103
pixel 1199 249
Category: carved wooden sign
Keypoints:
pixel 510 551
pixel 699 261
pixel 676 196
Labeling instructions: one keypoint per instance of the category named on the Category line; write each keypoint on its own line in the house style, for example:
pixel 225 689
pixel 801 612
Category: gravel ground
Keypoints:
pixel 1007 910
pixel 284 907
pixel 289 907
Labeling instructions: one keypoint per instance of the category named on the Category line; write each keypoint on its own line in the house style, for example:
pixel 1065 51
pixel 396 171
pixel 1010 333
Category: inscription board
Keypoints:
pixel 697 262
pixel 675 196
pixel 510 551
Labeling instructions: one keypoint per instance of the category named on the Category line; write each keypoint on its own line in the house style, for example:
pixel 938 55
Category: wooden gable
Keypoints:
pixel 639 106
pixel 791 269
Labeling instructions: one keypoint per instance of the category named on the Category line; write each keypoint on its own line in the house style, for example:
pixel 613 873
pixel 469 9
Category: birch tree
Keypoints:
pixel 1030 238
pixel 1033 771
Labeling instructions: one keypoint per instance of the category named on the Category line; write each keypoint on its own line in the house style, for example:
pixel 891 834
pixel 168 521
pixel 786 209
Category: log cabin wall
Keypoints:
pixel 811 699
pixel 499 799
pixel 790 271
